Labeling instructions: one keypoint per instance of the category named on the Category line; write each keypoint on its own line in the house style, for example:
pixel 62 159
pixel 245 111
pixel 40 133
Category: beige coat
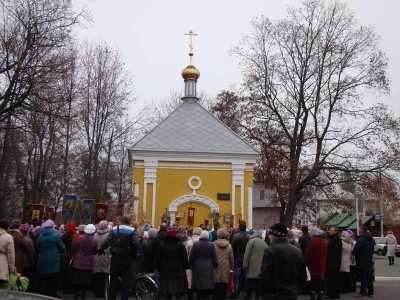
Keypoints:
pixel 225 260
pixel 391 243
pixel 7 255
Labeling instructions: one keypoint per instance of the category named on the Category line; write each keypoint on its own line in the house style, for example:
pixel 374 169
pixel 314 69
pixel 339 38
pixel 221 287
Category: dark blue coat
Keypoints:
pixel 49 246
pixel 364 251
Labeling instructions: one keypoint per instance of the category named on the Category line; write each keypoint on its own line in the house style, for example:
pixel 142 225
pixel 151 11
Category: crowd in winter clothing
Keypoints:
pixel 194 261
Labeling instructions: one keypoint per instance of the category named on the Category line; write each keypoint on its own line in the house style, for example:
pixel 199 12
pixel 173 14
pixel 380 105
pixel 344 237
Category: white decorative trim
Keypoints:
pixel 153 205
pixel 136 192
pixel 194 165
pixel 233 199
pixel 150 176
pixel 194 188
pixel 250 206
pixel 173 207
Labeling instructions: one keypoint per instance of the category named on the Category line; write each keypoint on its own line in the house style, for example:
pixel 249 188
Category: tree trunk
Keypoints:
pixel 3 162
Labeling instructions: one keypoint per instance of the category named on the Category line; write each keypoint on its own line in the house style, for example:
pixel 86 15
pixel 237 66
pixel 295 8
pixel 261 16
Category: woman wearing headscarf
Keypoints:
pixel 7 252
pixel 85 248
pixel 315 259
pixel 172 263
pixel 66 238
pixel 224 252
pixel 391 244
pixel 345 279
pixel 142 258
pixel 189 245
pixel 29 257
pixel 101 262
pixel 20 244
pixel 203 261
pixel 49 247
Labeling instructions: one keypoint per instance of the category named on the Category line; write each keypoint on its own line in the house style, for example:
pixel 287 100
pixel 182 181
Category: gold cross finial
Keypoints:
pixel 191 34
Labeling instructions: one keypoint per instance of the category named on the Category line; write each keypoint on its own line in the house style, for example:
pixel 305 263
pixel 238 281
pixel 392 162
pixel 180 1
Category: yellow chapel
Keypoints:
pixel 191 169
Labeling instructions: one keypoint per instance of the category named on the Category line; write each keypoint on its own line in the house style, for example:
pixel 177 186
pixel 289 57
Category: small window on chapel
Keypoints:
pixel 262 194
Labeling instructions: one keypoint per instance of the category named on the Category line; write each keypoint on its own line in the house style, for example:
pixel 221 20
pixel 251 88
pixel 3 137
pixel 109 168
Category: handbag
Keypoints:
pixel 385 249
pixel 231 285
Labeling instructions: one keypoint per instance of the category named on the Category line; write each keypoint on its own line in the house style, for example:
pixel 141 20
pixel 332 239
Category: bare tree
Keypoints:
pixel 304 81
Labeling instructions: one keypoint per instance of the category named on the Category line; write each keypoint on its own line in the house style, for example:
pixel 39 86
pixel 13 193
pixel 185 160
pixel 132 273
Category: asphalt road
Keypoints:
pixel 387 284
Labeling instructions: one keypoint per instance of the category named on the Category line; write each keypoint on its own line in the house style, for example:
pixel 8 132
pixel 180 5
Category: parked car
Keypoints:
pixel 380 243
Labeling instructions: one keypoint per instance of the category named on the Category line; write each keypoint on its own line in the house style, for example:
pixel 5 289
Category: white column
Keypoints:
pixel 238 169
pixel 250 207
pixel 150 176
pixel 136 192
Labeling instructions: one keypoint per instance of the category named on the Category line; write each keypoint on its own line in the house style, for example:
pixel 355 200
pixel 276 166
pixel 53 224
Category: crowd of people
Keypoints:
pixel 221 263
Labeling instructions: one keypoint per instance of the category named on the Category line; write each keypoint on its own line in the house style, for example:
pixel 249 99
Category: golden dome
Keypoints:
pixel 190 72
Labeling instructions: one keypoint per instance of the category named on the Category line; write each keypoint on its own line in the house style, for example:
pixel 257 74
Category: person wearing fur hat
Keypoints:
pixel 315 258
pixel 142 257
pixel 224 252
pixel 391 244
pixel 172 263
pixel 345 279
pixel 49 247
pixel 20 244
pixel 283 268
pixel 203 261
pixel 7 252
pixel 66 238
pixel 85 248
pixel 101 262
pixel 29 257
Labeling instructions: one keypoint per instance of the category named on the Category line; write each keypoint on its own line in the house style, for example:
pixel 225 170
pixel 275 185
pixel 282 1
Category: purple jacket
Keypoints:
pixel 85 248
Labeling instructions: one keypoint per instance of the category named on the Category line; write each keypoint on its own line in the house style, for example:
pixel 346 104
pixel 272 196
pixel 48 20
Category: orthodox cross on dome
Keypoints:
pixel 190 34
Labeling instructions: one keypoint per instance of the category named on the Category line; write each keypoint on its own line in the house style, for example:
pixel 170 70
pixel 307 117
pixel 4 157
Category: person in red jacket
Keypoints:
pixel 315 259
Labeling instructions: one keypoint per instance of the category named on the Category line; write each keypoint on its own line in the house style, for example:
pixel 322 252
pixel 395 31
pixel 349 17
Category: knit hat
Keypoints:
pixel 197 231
pixel 345 234
pixel 251 231
pixel 37 231
pixel 146 227
pixel 222 233
pixel 48 224
pixel 317 232
pixel 204 234
pixel 103 224
pixel 24 228
pixel 81 228
pixel 90 229
pixel 61 229
pixel 70 227
pixel 15 224
pixel 172 233
pixel 278 230
pixel 139 231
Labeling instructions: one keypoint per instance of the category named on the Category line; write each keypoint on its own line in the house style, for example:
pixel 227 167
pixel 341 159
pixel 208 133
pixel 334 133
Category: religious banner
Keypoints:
pixel 120 209
pixel 69 207
pixel 100 212
pixel 87 207
pixel 49 213
pixel 34 214
pixel 190 218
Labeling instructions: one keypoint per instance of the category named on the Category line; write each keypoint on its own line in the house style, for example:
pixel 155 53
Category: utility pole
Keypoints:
pixel 381 203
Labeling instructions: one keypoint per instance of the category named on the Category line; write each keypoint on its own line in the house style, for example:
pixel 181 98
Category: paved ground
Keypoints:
pixel 387 284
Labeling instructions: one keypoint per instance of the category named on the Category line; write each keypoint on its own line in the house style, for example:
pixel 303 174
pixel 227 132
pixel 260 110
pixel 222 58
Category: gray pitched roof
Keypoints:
pixel 191 128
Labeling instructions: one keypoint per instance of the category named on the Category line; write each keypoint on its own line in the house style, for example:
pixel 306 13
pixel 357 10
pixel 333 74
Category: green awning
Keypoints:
pixel 336 220
pixel 348 221
pixel 327 217
pixel 364 221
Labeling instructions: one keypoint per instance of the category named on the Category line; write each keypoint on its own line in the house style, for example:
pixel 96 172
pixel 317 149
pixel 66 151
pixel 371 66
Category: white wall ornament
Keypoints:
pixel 173 207
pixel 194 187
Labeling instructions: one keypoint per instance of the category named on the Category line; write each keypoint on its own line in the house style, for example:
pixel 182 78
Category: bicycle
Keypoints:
pixel 143 287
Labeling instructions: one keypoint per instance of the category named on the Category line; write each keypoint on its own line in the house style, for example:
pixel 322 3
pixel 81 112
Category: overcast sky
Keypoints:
pixel 150 36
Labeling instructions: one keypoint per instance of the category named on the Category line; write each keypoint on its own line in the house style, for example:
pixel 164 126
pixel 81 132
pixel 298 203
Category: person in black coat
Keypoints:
pixel 333 262
pixel 172 263
pixel 364 252
pixel 304 239
pixel 283 267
